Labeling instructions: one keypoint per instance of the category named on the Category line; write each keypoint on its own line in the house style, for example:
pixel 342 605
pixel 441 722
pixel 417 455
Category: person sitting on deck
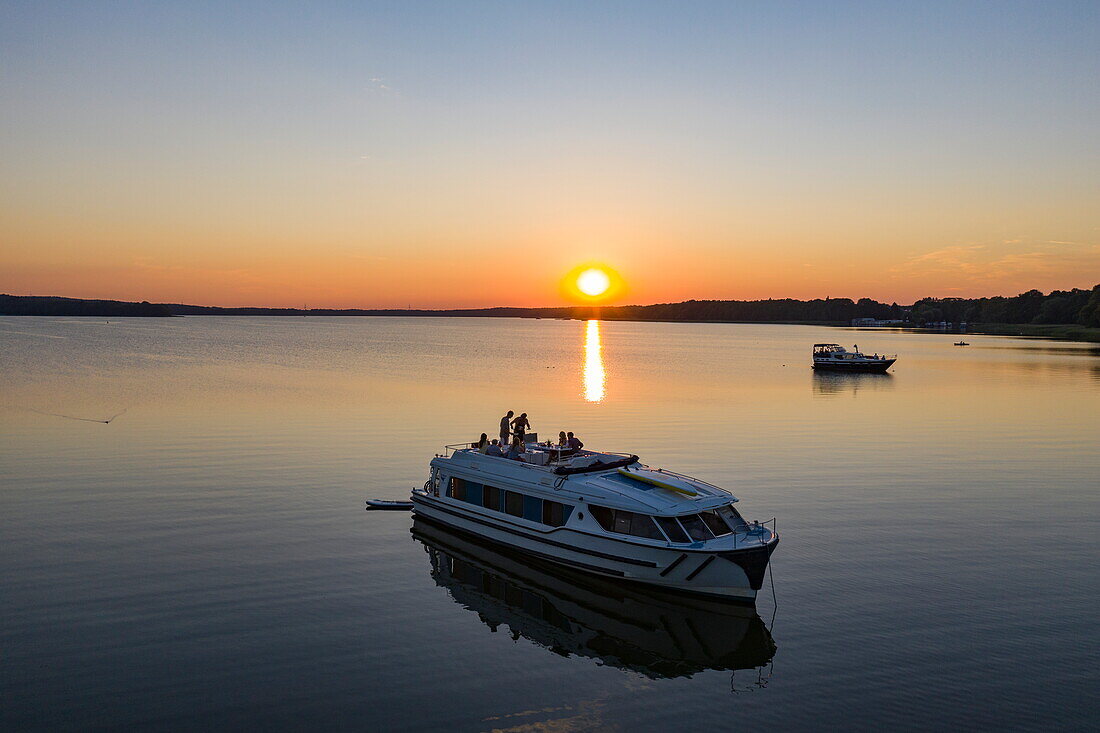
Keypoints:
pixel 574 442
pixel 494 449
pixel 562 440
pixel 517 449
pixel 482 444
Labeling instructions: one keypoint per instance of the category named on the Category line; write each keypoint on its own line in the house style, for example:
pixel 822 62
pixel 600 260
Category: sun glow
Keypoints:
pixel 593 282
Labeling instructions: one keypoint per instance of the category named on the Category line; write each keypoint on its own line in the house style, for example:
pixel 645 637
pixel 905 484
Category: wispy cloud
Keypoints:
pixel 1010 260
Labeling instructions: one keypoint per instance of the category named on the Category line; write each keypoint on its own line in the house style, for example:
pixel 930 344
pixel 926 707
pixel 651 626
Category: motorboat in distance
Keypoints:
pixel 837 358
pixel 602 513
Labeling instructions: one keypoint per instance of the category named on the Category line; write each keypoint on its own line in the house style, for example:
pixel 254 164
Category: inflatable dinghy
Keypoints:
pixel 390 504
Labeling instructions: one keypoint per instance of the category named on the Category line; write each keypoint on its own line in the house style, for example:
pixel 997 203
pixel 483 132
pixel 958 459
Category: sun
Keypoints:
pixel 593 282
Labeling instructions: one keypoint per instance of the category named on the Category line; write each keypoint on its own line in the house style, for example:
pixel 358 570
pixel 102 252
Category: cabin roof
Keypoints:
pixel 605 487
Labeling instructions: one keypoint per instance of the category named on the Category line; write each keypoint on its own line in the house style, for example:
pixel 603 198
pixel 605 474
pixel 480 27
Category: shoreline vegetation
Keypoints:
pixel 1069 315
pixel 1065 332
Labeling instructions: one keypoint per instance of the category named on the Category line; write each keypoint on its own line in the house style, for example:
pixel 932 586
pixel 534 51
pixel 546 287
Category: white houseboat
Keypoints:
pixel 835 357
pixel 603 513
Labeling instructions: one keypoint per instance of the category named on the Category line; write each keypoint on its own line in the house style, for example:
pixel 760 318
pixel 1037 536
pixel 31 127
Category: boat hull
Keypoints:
pixel 841 365
pixel 734 575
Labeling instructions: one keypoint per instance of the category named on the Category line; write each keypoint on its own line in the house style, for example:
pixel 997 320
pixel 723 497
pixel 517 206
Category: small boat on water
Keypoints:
pixel 389 505
pixel 603 513
pixel 837 358
pixel 961 343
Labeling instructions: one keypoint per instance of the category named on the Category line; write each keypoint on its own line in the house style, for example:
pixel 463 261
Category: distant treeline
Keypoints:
pixel 787 310
pixel 1059 307
pixel 19 305
pixel 1080 307
pixel 827 310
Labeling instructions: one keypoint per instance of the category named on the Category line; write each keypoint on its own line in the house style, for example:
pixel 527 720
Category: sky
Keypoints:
pixel 472 154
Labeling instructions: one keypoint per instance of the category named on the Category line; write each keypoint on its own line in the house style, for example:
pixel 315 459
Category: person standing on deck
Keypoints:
pixel 505 430
pixel 521 425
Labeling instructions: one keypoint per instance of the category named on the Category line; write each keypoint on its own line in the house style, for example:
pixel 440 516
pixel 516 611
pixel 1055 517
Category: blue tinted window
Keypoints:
pixel 474 493
pixel 532 508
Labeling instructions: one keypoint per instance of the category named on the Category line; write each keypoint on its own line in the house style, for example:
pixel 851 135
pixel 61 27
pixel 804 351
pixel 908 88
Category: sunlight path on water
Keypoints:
pixel 594 374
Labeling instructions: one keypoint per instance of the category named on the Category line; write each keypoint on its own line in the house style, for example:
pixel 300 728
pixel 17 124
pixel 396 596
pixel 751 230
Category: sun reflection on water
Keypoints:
pixel 593 363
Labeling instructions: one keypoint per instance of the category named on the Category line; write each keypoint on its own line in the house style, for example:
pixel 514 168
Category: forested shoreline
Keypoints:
pixel 1067 307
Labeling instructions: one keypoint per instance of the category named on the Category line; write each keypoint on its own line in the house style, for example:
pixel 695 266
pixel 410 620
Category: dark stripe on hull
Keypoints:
pixel 672 565
pixel 699 569
pixel 842 367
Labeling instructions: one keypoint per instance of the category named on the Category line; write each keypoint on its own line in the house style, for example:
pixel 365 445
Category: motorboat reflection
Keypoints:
pixel 651 632
pixel 830 384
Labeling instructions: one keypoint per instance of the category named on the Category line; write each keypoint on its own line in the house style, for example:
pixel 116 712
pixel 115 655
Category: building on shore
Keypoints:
pixel 874 322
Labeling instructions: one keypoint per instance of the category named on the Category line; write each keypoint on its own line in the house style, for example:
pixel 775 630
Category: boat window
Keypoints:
pixel 474 492
pixel 603 515
pixel 458 488
pixel 532 508
pixel 491 499
pixel 715 524
pixel 673 529
pixel 641 525
pixel 695 527
pixel 555 514
pixel 513 503
pixel 624 522
pixel 733 518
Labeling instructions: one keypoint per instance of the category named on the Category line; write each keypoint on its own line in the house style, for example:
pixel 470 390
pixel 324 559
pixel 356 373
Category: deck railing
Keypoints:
pixel 690 478
pixel 751 532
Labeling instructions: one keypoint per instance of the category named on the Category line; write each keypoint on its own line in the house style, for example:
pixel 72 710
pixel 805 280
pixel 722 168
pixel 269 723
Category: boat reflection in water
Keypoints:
pixel 831 384
pixel 656 634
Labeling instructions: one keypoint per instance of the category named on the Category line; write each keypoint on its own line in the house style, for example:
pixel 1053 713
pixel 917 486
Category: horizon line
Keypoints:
pixel 521 307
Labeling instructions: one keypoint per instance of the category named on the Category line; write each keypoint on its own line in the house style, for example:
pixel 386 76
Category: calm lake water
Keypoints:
pixel 204 560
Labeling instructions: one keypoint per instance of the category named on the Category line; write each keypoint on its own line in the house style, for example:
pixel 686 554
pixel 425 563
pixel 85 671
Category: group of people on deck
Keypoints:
pixel 512 443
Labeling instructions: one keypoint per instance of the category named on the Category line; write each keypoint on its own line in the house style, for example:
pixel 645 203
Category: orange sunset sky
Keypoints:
pixel 473 155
